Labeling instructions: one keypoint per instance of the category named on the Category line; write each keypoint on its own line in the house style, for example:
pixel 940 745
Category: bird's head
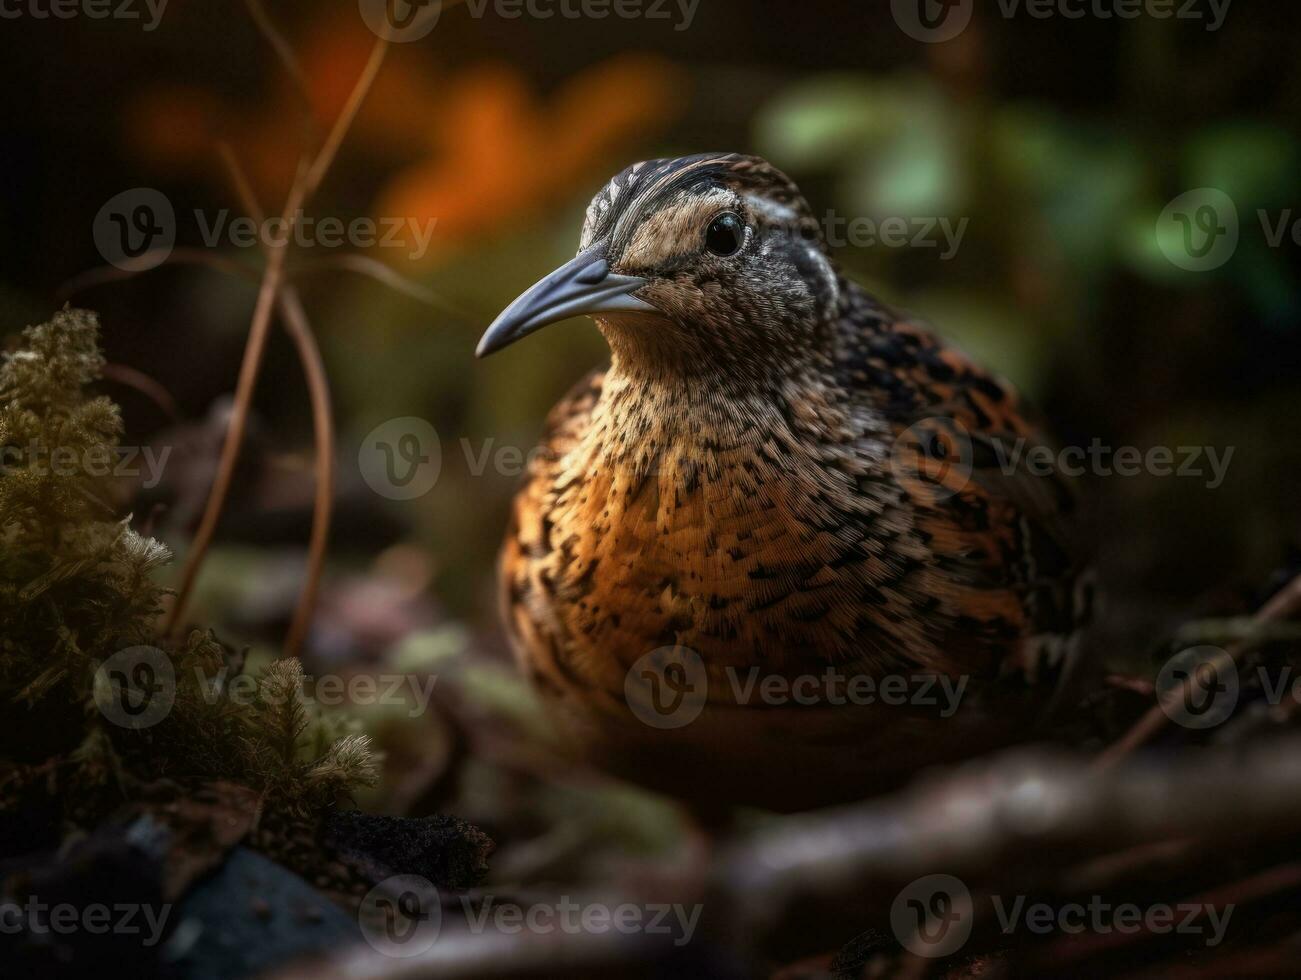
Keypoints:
pixel 697 263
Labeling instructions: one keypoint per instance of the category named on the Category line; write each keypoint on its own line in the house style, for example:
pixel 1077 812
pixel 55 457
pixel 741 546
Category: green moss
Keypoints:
pixel 77 589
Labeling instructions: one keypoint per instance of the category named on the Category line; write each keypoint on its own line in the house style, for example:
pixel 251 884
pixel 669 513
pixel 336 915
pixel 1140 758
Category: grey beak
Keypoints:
pixel 584 285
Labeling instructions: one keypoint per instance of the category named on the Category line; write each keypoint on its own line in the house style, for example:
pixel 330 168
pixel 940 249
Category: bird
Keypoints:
pixel 782 516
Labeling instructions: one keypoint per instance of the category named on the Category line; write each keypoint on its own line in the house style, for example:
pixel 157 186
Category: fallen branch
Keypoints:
pixel 1284 604
pixel 1019 823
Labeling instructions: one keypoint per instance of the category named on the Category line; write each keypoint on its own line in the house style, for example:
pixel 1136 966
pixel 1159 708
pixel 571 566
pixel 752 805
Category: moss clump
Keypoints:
pixel 79 612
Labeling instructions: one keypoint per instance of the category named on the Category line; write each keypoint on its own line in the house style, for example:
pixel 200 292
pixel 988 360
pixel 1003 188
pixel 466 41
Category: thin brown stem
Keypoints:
pixel 364 265
pixel 176 256
pixel 249 370
pixel 272 282
pixel 309 353
pixel 330 149
pixel 1284 604
pixel 243 187
pixel 151 388
pixel 287 58
pixel 300 332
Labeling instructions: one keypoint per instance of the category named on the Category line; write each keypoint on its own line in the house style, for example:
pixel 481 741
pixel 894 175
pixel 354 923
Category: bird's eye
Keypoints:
pixel 725 234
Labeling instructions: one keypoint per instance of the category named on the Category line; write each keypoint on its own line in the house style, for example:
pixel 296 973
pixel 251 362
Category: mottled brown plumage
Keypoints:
pixel 777 472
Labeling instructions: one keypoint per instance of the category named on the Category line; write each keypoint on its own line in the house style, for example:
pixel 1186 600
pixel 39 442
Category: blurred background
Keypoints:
pixel 1058 147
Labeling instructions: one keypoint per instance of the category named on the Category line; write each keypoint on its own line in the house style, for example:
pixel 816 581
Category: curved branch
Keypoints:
pixel 318 386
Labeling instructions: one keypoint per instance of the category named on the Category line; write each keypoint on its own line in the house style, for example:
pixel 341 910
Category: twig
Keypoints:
pixel 300 331
pixel 1284 604
pixel 243 188
pixel 318 386
pixel 124 374
pixel 148 261
pixel 288 60
pixel 244 388
pixel 330 149
pixel 386 275
pixel 272 281
pixel 1271 881
pixel 809 883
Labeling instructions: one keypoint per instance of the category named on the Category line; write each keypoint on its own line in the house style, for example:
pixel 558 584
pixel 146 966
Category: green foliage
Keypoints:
pixel 74 581
pixel 1060 207
pixel 76 588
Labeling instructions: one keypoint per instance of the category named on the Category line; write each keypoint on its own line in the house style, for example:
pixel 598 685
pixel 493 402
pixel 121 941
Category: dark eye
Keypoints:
pixel 725 234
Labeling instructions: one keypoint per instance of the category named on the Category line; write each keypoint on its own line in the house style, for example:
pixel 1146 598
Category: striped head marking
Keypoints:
pixel 713 258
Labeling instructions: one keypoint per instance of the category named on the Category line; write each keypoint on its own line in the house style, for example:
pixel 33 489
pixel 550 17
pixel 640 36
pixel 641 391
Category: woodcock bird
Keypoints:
pixel 774 553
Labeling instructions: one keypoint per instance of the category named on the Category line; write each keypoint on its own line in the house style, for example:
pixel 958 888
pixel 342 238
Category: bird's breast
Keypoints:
pixel 735 550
